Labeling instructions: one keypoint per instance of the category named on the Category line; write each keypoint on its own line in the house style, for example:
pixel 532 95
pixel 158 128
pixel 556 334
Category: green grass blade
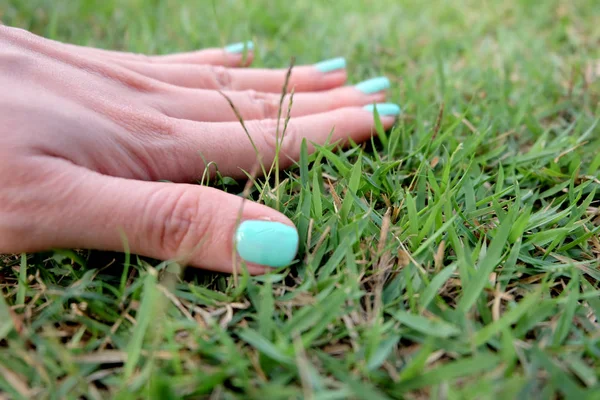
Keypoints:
pixel 433 327
pixel 492 258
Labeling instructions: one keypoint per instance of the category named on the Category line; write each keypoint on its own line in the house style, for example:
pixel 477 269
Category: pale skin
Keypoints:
pixel 87 134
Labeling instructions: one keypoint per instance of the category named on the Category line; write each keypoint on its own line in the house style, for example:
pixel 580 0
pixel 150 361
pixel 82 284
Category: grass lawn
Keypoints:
pixel 455 257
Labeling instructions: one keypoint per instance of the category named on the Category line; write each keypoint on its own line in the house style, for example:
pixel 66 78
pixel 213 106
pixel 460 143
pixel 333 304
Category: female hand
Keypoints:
pixel 85 134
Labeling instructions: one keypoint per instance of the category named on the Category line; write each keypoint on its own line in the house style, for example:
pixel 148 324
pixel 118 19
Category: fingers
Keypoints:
pixel 303 78
pixel 212 106
pixel 234 55
pixel 191 224
pixel 230 147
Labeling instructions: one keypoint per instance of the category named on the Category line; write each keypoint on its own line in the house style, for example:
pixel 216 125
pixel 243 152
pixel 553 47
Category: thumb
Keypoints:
pixel 192 224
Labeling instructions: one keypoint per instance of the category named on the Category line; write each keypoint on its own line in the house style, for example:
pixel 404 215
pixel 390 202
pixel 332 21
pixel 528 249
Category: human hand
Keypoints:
pixel 85 134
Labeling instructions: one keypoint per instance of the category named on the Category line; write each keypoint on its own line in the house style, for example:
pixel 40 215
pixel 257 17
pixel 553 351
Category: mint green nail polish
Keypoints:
pixel 239 47
pixel 384 108
pixel 331 65
pixel 373 85
pixel 272 244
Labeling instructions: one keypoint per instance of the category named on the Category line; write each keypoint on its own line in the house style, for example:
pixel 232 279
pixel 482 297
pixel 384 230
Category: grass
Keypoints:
pixel 455 257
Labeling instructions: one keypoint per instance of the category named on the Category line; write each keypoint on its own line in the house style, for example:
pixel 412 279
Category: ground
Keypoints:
pixel 455 257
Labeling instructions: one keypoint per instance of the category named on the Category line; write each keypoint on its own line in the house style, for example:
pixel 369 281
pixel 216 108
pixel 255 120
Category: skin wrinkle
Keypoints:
pixel 287 144
pixel 266 104
pixel 178 219
pixel 27 193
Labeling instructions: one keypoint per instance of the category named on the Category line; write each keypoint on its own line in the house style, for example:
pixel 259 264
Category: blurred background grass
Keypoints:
pixel 446 48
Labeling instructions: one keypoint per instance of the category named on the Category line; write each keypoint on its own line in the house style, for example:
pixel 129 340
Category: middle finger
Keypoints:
pixel 212 106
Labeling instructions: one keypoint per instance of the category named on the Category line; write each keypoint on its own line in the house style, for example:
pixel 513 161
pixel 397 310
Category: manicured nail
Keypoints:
pixel 239 47
pixel 384 108
pixel 267 243
pixel 373 85
pixel 331 65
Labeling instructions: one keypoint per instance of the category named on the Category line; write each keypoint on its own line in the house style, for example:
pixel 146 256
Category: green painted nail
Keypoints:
pixel 384 108
pixel 267 243
pixel 239 47
pixel 331 65
pixel 373 85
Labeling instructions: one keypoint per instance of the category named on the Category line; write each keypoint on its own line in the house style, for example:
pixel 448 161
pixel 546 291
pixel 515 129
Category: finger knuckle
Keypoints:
pixel 133 80
pixel 277 138
pixel 150 139
pixel 265 104
pixel 183 222
pixel 222 77
pixel 148 124
pixel 160 124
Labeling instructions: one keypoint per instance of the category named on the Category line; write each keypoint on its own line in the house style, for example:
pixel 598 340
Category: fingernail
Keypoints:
pixel 272 244
pixel 384 108
pixel 239 47
pixel 331 65
pixel 373 85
